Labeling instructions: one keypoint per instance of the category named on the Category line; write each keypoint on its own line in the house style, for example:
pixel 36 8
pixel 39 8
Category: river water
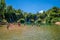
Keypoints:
pixel 29 32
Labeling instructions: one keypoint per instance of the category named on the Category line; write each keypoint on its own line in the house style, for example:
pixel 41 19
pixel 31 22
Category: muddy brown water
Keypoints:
pixel 28 32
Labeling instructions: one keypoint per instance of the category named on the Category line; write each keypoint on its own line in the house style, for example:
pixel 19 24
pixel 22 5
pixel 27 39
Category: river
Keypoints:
pixel 29 32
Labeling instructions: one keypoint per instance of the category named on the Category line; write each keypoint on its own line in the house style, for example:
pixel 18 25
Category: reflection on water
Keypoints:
pixel 32 33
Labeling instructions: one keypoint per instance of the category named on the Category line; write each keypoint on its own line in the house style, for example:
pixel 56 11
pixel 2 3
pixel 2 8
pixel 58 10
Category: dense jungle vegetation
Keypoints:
pixel 11 15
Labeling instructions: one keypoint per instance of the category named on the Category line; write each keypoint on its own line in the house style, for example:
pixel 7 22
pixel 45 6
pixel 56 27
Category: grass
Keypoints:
pixel 27 32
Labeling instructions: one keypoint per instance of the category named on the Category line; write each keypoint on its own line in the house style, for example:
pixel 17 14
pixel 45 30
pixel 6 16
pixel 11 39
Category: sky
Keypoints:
pixel 33 5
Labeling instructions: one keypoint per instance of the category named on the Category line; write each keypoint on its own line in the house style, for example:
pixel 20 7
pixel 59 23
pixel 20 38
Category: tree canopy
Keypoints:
pixel 12 15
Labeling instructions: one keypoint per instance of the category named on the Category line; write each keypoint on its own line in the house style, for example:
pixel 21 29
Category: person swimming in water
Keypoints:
pixel 19 24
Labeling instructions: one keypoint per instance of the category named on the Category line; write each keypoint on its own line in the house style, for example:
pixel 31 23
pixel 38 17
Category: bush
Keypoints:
pixel 55 20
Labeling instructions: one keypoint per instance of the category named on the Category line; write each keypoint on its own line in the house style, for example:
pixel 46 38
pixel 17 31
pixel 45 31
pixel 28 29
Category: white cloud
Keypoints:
pixel 41 11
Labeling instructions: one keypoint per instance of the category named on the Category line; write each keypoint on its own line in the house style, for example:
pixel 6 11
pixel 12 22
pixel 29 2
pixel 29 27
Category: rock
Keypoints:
pixel 57 23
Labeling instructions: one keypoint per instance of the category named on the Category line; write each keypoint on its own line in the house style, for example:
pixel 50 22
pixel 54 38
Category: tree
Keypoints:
pixel 2 9
pixel 10 15
pixel 19 14
pixel 52 14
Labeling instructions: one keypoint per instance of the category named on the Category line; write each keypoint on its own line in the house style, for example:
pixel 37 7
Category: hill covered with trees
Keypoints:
pixel 11 15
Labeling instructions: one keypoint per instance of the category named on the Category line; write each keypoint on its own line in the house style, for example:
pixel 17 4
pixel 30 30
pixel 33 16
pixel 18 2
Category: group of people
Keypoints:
pixel 12 25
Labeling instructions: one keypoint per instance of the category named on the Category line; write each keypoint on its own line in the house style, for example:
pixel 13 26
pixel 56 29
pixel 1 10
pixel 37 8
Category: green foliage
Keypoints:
pixel 12 15
pixel 53 15
pixel 55 20
pixel 22 21
pixel 2 9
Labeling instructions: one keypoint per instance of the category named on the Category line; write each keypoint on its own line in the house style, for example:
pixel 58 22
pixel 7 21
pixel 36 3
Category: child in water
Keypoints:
pixel 19 24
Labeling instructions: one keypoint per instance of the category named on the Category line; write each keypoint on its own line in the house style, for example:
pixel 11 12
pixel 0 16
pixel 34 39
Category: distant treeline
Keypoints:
pixel 11 15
